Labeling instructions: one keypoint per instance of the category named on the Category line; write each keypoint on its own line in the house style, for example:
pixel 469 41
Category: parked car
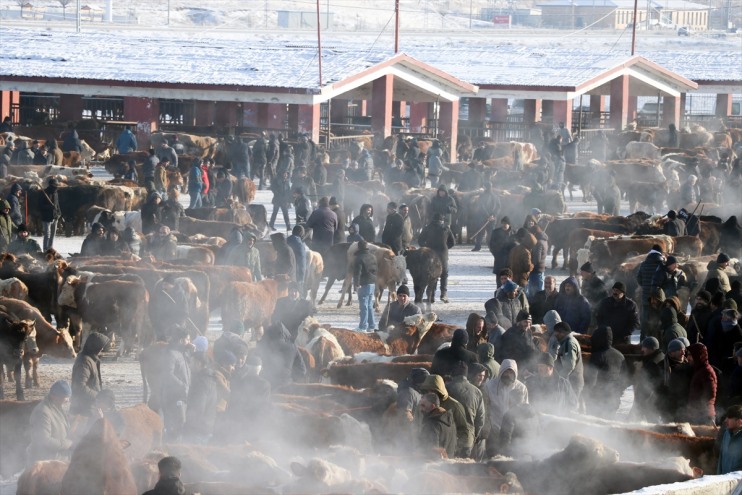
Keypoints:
pixel 683 31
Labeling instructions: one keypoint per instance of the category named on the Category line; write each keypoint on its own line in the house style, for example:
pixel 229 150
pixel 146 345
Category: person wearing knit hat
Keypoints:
pixel 669 277
pixel 469 396
pixel 675 346
pixel 408 395
pixel 486 355
pixel 674 226
pixel 208 396
pixel 718 270
pixel 619 313
pixel 547 390
pixel 593 288
pixel 650 344
pixel 734 387
pixel 49 426
pixel 396 311
pixel 671 329
pixel 478 375
pixel 650 379
pixel 568 357
pixel 23 243
pixel 543 301
pixel 517 342
pixel 464 429
pixel 645 276
pixel 572 305
pixel 700 316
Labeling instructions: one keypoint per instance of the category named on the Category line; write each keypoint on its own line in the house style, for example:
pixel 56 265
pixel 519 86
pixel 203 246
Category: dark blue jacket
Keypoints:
pixel 300 254
pixel 574 309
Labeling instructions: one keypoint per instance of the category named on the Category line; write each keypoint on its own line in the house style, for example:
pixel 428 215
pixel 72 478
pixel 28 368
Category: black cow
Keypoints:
pixel 425 267
pixel 731 238
pixel 13 335
pixel 336 267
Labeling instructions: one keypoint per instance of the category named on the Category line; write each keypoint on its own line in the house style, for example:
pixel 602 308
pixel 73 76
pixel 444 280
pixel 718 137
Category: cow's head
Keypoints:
pixel 63 347
pixel 66 296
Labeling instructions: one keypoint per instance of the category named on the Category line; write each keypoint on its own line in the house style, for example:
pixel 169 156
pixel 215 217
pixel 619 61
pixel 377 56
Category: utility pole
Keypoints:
pixel 168 12
pixel 633 29
pixel 396 26
pixel 319 45
pixel 265 15
pixel 77 18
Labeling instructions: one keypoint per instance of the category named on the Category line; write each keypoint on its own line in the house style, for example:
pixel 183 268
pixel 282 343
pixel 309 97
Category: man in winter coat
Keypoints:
pixel 443 204
pixel 324 223
pixel 285 260
pixel 259 160
pixel 669 277
pixel 6 226
pixel 519 259
pixel 407 234
pixel 483 212
pixel 464 430
pixel 717 270
pixel 393 229
pixel 281 359
pixel 572 306
pixel 606 375
pixel 49 426
pixel 195 184
pixel 23 244
pixel 509 300
pixel 396 311
pixel 163 245
pixel 568 362
pixel 244 253
pixel 676 376
pixel 619 313
pixel 435 163
pixel 593 288
pixel 94 244
pixel 302 205
pixel 548 391
pixel 71 142
pixel 544 300
pixel 438 237
pixel 648 381
pixel 364 281
pixel 446 359
pixel 126 142
pixel 722 334
pixel 538 257
pixel 239 155
pixel 50 212
pixel 671 329
pixel 14 200
pixel 166 152
pixel 472 179
pixel 674 226
pixel 86 378
pixel 652 326
pixel 500 245
pixel 470 397
pixel 222 190
pixel 690 193
pixel 437 431
pixel 645 274
pixel 730 454
pixel 281 188
pixel 700 317
pixel 517 342
pixel 169 482
pixel 486 356
pixel 502 394
pixel 702 394
pixel 208 397
pixel 365 223
pixel 175 382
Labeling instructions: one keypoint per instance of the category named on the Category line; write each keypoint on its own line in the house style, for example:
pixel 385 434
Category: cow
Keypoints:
pixel 237 215
pixel 199 146
pixel 608 253
pixel 121 220
pixel 406 339
pixel 320 343
pixel 313 277
pixel 98 464
pixel 354 342
pixel 390 271
pixel 198 254
pixel 112 306
pixel 437 335
pixel 251 304
pixel 14 335
pixel 425 267
pixel 51 341
pixel 336 266
pixel 362 375
pixel 141 428
pixel 639 150
pixel 321 476
pixel 41 287
pixel 210 228
pixel 259 217
pixel 13 288
pixel 42 478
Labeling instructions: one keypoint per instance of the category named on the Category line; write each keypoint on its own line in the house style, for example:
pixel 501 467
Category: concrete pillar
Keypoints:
pixel 619 102
pixel 204 113
pixel 226 113
pixel 448 124
pixel 531 111
pixel 382 95
pixel 339 111
pixel 146 113
pixel 499 110
pixel 362 108
pixel 477 111
pixel 723 105
pixel 633 104
pixel 7 100
pixel 307 122
pixel 562 112
pixel 682 104
pixel 419 116
pixel 71 107
pixel 671 111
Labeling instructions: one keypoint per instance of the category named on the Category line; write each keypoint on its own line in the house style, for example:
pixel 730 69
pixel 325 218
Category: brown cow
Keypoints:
pixel 142 429
pixel 251 304
pixel 439 334
pixel 98 465
pixel 354 342
pixel 42 478
pixel 577 240
pixel 210 228
pixel 321 345
pixel 609 253
pixel 362 375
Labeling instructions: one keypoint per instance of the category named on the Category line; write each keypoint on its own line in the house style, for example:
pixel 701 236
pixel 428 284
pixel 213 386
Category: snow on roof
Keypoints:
pixel 283 63
pixel 625 4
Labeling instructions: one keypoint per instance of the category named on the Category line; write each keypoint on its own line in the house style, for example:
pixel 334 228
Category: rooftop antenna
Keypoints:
pixel 319 44
pixel 396 26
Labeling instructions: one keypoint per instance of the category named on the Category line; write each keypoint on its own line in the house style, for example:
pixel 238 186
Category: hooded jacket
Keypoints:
pixel 621 316
pixel 49 427
pixel 539 251
pixel 574 309
pixel 324 223
pixel 86 379
pixel 647 269
pixel 438 431
pixel 445 205
pixel 506 309
pixel 444 360
pixel 551 318
pixel 671 329
pixel 702 393
pixel 517 345
pixel 300 255
pixel 464 430
pixel 714 271
pixel 365 225
pixel 568 362
pixel 501 397
pixel 285 259
pixel 486 354
pixel 471 400
pixel 364 267
pixel 15 205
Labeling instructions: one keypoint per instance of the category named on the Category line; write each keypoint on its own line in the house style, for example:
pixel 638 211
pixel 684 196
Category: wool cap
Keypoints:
pixel 61 388
pixel 620 286
pixel 675 345
pixel 651 343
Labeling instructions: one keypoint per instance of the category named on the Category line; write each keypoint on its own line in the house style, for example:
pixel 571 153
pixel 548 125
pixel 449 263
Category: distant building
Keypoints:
pixel 618 14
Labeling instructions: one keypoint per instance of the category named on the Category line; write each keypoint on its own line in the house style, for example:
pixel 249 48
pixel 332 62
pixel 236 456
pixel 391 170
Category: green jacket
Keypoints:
pixel 464 430
pixel 6 231
pixel 24 246
pixel 48 430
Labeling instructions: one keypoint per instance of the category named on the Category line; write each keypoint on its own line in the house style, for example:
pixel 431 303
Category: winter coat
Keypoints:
pixel 574 309
pixel 648 382
pixel 281 189
pixel 671 329
pixel 500 244
pixel 169 153
pixel 667 281
pixel 392 233
pixel 395 314
pixel 506 309
pixel 24 246
pixel 720 341
pixel 324 223
pixel 646 272
pixel 519 260
pixel 195 179
pixel 438 431
pixel 282 362
pixel 502 398
pixel 302 208
pixel 285 260
pixel 539 252
pixel 223 192
pixel 168 486
pixel 6 231
pixel 48 429
pixel 72 142
pixel 49 209
pixel 486 356
pixel 365 225
pixel 291 312
pixel 163 248
pixel 730 456
pixel 464 430
pixel 594 290
pixel 148 168
pixel 86 380
pixel 444 205
pixel 171 211
pixel 568 363
pixel 15 205
pixel 150 215
pixel 435 163
pixel 93 245
pixel 540 304
pixel 175 376
pixel 715 272
pixel 471 399
pixel 702 392
pixel 689 194
pixel 301 255
pixel 444 360
pixel 126 142
pixel 517 345
pixel 364 268
pixel 207 398
pixel 438 238
pixel 675 227
pixel 622 316
pixel 605 375
pixel 698 323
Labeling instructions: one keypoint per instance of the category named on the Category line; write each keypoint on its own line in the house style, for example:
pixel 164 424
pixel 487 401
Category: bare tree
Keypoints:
pixel 64 4
pixel 21 3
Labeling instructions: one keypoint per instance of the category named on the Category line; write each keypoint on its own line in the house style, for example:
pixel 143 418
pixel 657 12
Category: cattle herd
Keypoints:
pixel 337 427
